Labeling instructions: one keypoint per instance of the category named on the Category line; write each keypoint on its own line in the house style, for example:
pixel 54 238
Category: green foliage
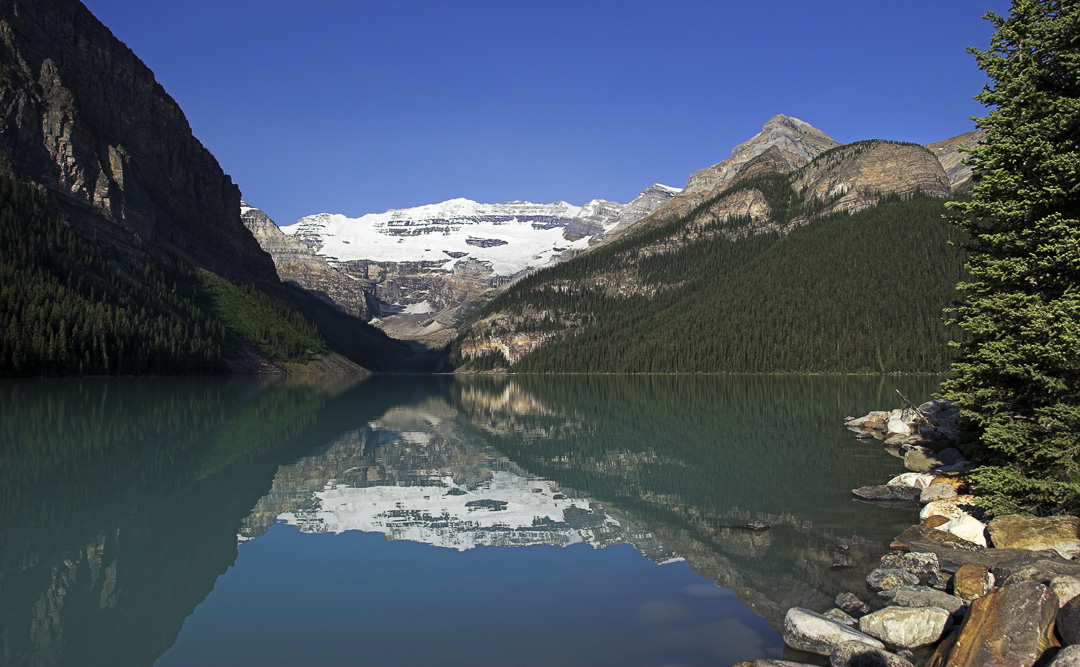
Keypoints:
pixel 844 294
pixel 277 331
pixel 69 307
pixel 1017 379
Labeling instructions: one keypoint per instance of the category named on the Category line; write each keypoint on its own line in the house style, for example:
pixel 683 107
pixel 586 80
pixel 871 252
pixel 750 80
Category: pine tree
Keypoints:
pixel 1017 379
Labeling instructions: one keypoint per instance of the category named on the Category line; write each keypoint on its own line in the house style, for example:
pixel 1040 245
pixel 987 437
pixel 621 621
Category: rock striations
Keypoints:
pixel 414 271
pixel 81 114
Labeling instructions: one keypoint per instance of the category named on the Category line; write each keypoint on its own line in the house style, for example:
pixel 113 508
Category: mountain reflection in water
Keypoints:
pixel 125 500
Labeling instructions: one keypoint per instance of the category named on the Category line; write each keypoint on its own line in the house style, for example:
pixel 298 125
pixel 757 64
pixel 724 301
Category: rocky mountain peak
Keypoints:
pixel 796 142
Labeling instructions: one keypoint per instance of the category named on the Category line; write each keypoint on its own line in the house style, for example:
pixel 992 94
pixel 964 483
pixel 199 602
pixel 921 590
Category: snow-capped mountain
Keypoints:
pixel 510 237
pixel 412 271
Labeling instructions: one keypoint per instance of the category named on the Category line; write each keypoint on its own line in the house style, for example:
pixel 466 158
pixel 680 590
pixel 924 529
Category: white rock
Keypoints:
pixel 918 480
pixel 897 426
pixel 1065 588
pixel 907 627
pixel 966 527
pixel 811 632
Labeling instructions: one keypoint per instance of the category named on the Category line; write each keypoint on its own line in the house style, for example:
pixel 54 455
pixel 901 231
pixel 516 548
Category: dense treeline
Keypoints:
pixel 846 293
pixel 69 306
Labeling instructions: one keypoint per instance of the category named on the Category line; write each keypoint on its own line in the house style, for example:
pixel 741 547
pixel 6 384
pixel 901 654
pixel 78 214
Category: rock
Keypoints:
pixel 934 406
pixel 887 493
pixel 972 581
pixel 929 539
pixel 851 605
pixel 924 459
pixel 1058 533
pixel 1039 566
pixel 1068 622
pixel 841 617
pixel 1065 587
pixel 922 596
pixel 873 420
pixel 897 426
pixel 919 480
pixel 883 579
pixel 811 632
pixel 951 508
pixel 857 654
pixel 906 627
pixel 935 521
pixel 1067 657
pixel 937 492
pixel 954 479
pixel 1012 625
pixel 965 527
pixel 921 564
pixel 771 663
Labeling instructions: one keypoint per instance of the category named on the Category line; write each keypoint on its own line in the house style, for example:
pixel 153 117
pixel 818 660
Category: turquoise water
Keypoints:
pixel 431 521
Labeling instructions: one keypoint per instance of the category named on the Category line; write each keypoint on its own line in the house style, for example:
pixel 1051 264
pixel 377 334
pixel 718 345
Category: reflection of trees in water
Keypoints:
pixel 694 459
pixel 121 501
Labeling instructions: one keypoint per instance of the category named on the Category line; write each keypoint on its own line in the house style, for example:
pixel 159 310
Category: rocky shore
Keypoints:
pixel 958 589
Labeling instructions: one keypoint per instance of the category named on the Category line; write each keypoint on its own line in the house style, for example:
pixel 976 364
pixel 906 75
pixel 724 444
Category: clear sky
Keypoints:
pixel 357 107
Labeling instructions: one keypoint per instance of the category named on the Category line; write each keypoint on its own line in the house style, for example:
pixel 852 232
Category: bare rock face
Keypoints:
pixel 788 141
pixel 297 264
pixel 951 158
pixel 81 114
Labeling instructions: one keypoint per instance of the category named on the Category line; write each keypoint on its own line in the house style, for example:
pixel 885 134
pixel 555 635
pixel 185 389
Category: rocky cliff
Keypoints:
pixel 949 152
pixel 414 272
pixel 81 114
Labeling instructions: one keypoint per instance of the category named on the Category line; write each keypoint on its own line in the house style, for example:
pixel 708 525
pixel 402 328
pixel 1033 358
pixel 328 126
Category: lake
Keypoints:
pixel 413 520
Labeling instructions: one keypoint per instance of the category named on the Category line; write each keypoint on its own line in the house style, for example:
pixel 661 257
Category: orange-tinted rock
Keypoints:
pixel 1009 627
pixel 972 581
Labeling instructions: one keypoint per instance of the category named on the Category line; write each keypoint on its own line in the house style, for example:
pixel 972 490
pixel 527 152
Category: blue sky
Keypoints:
pixel 357 107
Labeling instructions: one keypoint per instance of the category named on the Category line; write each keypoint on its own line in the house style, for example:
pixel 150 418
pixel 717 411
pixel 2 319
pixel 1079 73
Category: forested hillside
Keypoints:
pixel 842 293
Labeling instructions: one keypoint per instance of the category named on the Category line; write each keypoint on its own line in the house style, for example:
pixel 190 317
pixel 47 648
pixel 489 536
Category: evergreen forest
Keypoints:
pixel 859 293
pixel 72 306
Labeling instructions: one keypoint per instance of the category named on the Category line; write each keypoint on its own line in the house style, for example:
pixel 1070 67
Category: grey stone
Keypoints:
pixel 922 564
pixel 906 627
pixel 1068 622
pixel 937 492
pixel 1012 625
pixel 840 616
pixel 924 459
pixel 898 493
pixel 1065 588
pixel 857 654
pixel 1068 656
pixel 883 579
pixel 1037 566
pixel 922 596
pixel 811 632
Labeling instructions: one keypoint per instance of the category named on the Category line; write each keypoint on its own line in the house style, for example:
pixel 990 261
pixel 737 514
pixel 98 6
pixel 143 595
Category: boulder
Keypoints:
pixel 972 581
pixel 956 480
pixel 1011 625
pixel 935 521
pixel 1040 566
pixel 897 426
pixel 840 616
pixel 873 420
pixel 965 527
pixel 906 627
pixel 923 596
pixel 887 493
pixel 857 654
pixel 929 539
pixel 934 406
pixel 922 564
pixel 951 508
pixel 1067 657
pixel 919 480
pixel 925 459
pixel 883 579
pixel 937 492
pixel 767 662
pixel 852 605
pixel 1065 587
pixel 1057 533
pixel 811 632
pixel 1068 622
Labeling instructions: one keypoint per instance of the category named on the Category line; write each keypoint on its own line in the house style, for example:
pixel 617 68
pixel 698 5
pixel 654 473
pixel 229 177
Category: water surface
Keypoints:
pixel 431 521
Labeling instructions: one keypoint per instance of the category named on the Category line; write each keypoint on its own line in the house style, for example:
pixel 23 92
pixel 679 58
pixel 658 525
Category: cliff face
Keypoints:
pixel 949 154
pixel 81 114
